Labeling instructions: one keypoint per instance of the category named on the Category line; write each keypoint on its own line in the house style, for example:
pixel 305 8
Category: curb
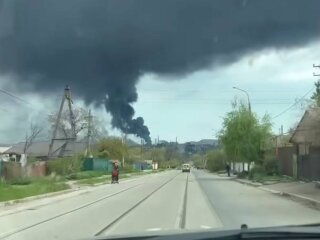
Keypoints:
pixel 296 197
pixel 253 184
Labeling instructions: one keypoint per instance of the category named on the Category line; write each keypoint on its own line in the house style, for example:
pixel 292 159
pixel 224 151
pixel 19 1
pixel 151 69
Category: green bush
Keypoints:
pixel 19 181
pixel 65 166
pixel 257 172
pixel 127 169
pixel 243 174
pixel 270 165
pixel 174 163
pixel 216 160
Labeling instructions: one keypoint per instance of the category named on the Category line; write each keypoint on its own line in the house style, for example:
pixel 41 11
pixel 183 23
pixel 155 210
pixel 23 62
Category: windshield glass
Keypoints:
pixel 150 116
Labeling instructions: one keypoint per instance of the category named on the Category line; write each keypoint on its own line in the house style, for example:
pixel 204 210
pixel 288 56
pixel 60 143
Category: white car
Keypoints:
pixel 186 167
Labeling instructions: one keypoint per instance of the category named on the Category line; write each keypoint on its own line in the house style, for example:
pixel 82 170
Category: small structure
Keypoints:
pixel 3 155
pixel 306 140
pixel 142 165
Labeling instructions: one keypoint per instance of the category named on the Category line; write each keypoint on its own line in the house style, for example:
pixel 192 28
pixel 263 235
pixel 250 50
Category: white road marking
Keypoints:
pixel 153 229
pixel 205 227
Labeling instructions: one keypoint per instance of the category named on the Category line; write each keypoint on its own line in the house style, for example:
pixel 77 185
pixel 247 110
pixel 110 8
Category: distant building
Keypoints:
pixel 40 149
pixel 201 146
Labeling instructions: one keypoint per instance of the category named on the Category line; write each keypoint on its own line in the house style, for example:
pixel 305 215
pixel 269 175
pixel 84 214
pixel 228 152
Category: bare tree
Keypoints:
pixel 98 129
pixel 64 126
pixel 35 130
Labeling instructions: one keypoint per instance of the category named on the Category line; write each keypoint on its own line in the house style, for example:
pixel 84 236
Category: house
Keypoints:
pixel 40 149
pixel 306 140
pixel 142 165
pixel 4 156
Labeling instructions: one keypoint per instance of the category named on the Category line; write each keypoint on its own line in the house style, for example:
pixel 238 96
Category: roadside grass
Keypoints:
pixel 86 175
pixel 107 177
pixel 92 181
pixel 265 179
pixel 26 187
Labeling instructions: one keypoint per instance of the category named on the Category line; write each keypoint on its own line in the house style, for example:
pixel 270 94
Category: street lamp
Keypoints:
pixel 247 96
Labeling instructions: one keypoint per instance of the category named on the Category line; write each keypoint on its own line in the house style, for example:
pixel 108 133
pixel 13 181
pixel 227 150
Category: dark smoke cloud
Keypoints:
pixel 101 47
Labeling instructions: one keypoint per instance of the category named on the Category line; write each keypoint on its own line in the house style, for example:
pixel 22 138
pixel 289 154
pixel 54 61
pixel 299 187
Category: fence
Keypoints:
pixel 309 165
pixel 12 170
pixel 285 159
pixel 38 169
pixel 97 164
pixel 141 166
pixel 305 167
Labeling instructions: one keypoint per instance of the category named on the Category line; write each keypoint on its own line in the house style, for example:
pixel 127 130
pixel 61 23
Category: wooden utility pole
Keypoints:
pixel 89 134
pixel 66 97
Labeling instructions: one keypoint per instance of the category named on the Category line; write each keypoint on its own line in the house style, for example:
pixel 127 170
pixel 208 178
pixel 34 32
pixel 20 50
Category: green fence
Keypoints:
pixel 97 164
pixel 1 168
pixel 87 164
pixel 102 165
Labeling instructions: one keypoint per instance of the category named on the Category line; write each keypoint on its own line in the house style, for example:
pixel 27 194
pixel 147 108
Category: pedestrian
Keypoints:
pixel 228 169
pixel 115 173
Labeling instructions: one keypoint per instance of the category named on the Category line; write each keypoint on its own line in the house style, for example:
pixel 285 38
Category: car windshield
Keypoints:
pixel 141 117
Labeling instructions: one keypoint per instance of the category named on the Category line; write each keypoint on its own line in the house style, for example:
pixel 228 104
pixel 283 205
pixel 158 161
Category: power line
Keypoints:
pixel 13 96
pixel 294 104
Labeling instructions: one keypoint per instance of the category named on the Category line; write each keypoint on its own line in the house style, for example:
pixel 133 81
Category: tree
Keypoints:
pixel 198 160
pixel 81 118
pixel 112 148
pixel 158 154
pixel 316 95
pixel 216 160
pixel 31 136
pixel 243 136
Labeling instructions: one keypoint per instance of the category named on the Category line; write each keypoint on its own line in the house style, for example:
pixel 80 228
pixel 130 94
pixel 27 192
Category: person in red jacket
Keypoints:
pixel 115 173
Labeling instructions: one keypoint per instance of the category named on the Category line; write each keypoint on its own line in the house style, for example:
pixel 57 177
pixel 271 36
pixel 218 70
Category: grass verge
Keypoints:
pixel 107 178
pixel 264 179
pixel 86 175
pixel 92 181
pixel 26 188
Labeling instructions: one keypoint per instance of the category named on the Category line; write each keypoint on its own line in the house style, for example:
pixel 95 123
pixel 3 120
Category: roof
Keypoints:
pixel 308 129
pixel 204 142
pixel 41 148
pixel 3 149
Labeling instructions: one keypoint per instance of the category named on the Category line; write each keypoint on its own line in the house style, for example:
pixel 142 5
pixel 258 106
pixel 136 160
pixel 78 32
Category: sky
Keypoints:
pixel 156 68
pixel 191 107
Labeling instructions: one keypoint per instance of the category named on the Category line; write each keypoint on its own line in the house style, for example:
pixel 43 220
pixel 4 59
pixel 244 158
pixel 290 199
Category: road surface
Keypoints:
pixel 153 203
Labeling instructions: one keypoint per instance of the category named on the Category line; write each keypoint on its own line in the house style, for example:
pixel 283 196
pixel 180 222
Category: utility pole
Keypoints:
pixel 249 104
pixel 141 148
pixel 124 141
pixel 66 97
pixel 249 107
pixel 89 134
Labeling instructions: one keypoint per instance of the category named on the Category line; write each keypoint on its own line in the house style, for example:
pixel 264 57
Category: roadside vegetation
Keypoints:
pixel 245 139
pixel 62 173
pixel 26 187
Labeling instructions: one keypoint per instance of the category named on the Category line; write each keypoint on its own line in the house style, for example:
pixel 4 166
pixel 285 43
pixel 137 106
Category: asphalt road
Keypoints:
pixel 153 203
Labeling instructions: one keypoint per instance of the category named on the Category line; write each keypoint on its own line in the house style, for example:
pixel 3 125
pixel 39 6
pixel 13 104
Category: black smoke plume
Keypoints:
pixel 101 48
